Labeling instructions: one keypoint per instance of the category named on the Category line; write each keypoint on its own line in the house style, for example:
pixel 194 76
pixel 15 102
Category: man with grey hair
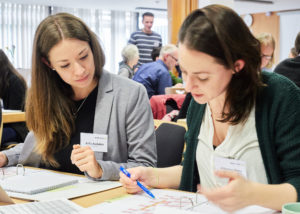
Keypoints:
pixel 155 76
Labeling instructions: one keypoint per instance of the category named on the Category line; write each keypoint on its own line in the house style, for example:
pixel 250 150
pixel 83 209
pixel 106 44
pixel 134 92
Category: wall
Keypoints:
pixel 284 26
pixel 289 28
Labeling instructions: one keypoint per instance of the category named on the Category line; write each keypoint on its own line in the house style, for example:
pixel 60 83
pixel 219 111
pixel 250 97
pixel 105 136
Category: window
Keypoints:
pixel 18 23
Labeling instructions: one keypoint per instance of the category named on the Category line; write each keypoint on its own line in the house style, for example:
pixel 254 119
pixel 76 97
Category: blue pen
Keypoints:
pixel 138 183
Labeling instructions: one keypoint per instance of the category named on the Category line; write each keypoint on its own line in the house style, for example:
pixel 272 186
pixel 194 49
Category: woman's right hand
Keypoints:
pixel 84 158
pixel 143 174
pixel 3 159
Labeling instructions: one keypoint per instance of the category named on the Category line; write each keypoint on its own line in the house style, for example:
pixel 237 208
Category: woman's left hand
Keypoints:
pixel 84 159
pixel 238 193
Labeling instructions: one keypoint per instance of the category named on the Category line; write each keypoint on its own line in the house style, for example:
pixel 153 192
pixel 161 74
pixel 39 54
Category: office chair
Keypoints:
pixel 170 144
pixel 158 103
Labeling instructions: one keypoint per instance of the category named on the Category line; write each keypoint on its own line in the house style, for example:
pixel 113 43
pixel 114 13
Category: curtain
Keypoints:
pixel 112 27
pixel 18 23
pixel 178 10
pixel 17 27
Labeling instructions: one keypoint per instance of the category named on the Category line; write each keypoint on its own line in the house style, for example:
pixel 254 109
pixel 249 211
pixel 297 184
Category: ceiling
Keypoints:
pixel 256 7
pixel 131 5
pixel 127 5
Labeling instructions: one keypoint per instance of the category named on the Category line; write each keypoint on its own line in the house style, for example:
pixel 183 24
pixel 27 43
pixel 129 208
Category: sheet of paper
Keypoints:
pixel 10 110
pixel 250 210
pixel 61 206
pixel 164 210
pixel 166 200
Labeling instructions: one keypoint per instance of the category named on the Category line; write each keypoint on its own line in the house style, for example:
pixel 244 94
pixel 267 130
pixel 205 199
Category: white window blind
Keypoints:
pixel 17 27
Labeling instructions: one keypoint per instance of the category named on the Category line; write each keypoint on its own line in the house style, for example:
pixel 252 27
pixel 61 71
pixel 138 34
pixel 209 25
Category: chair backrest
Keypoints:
pixel 158 103
pixel 170 144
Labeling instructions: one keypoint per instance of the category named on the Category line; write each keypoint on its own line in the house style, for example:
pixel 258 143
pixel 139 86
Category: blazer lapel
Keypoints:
pixel 103 107
pixel 103 104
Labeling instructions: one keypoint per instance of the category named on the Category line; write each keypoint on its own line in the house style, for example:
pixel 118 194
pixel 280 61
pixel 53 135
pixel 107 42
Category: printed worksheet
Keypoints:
pixel 166 200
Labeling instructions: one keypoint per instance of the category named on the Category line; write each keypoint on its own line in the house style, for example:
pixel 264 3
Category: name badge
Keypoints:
pixel 155 43
pixel 228 164
pixel 97 142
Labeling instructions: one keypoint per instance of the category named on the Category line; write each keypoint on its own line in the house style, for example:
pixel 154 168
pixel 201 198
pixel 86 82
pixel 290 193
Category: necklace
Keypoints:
pixel 75 112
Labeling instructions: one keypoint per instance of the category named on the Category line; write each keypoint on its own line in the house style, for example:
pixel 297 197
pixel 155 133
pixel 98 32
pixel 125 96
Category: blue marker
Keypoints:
pixel 138 183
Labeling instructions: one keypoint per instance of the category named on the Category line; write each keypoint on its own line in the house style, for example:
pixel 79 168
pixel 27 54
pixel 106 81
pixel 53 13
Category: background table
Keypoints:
pixel 12 117
pixel 86 200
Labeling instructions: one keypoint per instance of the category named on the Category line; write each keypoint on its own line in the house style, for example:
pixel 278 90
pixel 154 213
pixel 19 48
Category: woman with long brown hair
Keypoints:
pixel 73 100
pixel 243 139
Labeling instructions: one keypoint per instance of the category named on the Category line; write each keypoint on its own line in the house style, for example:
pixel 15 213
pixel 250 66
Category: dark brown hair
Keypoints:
pixel 220 32
pixel 155 53
pixel 49 105
pixel 147 14
pixel 7 70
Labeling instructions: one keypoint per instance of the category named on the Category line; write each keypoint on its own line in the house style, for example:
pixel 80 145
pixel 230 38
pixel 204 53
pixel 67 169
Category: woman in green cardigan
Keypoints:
pixel 243 139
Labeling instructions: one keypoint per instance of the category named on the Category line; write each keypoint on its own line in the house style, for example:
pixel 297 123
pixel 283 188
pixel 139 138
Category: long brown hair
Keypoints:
pixel 220 32
pixel 7 70
pixel 49 104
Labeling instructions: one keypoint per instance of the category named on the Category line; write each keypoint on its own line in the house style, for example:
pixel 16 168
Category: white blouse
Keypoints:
pixel 240 143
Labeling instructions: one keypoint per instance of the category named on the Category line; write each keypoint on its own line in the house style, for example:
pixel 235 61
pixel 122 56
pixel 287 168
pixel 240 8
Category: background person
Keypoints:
pixel 293 53
pixel 130 55
pixel 290 67
pixel 175 80
pixel 70 95
pixel 155 53
pixel 156 76
pixel 12 92
pixel 146 39
pixel 237 113
pixel 267 48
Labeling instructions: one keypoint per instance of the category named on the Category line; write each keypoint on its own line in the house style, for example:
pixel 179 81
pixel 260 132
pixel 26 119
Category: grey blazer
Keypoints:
pixel 123 113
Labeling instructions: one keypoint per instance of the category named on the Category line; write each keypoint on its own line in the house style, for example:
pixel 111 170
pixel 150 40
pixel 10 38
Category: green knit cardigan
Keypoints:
pixel 277 117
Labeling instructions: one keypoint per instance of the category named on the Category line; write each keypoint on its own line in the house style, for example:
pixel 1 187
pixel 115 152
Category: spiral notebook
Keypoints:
pixel 36 182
